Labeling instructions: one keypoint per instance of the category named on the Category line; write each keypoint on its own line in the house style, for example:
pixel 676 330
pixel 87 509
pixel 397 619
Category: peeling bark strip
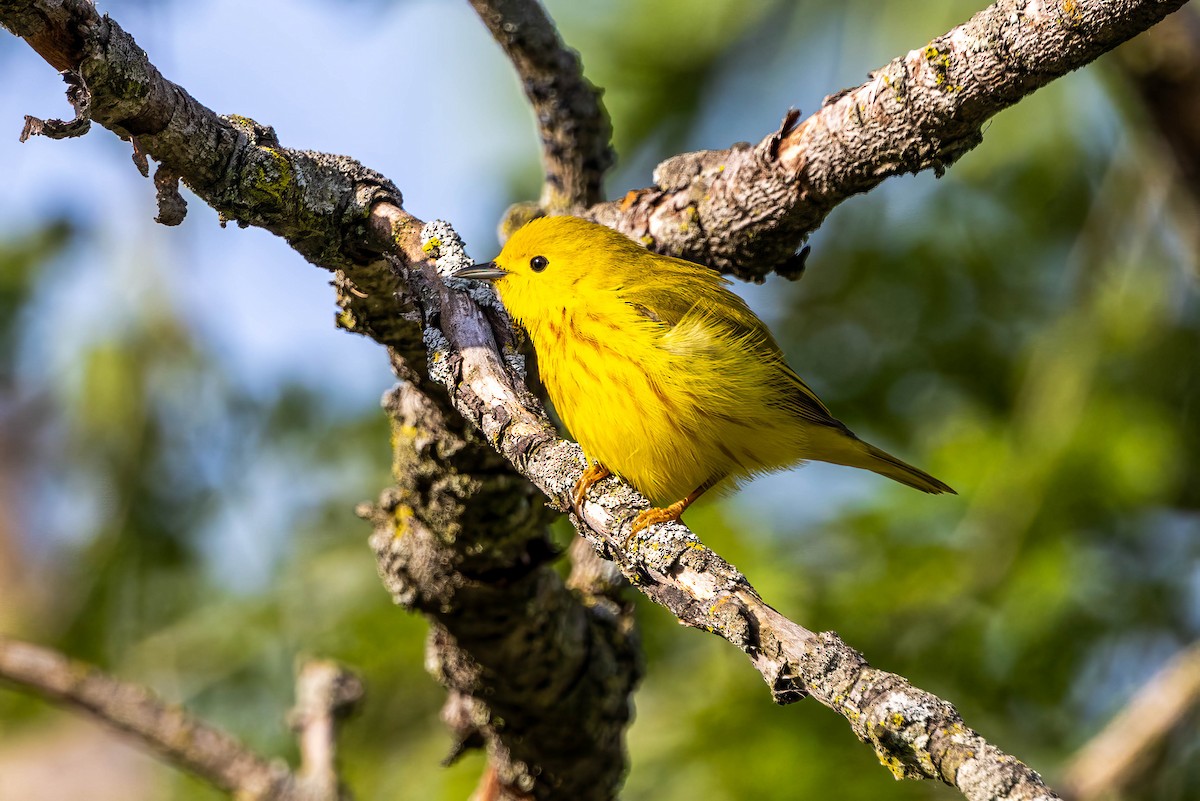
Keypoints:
pixel 747 209
pixel 572 123
pixel 80 99
pixel 922 110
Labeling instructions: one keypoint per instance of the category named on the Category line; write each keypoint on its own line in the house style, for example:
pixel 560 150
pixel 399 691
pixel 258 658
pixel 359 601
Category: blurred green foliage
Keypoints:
pixel 1026 328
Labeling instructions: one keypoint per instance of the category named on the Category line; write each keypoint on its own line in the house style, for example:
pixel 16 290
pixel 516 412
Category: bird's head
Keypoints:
pixel 554 263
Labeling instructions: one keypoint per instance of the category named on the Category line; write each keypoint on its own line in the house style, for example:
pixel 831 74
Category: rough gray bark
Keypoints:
pixel 746 210
pixel 539 679
pixel 923 110
pixel 572 125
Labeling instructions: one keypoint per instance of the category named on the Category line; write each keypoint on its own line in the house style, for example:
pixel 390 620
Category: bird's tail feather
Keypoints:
pixel 885 464
pixel 839 446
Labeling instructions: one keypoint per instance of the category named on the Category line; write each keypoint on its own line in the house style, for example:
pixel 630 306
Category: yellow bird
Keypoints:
pixel 661 374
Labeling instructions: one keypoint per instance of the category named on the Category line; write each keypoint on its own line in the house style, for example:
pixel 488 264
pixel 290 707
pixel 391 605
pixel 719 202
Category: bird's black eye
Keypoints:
pixel 538 263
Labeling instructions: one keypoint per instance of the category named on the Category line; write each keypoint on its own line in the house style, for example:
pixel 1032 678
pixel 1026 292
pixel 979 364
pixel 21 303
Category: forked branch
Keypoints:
pixel 921 111
pixel 190 743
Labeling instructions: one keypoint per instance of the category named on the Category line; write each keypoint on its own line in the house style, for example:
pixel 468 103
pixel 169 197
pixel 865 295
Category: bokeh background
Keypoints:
pixel 184 433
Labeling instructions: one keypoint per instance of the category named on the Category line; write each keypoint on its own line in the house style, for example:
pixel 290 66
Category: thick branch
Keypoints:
pixel 539 679
pixel 191 744
pixel 572 124
pixel 906 118
pixel 746 210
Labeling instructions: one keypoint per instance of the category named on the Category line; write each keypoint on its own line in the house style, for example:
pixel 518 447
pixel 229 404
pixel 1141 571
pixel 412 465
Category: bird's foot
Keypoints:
pixel 668 514
pixel 654 516
pixel 595 472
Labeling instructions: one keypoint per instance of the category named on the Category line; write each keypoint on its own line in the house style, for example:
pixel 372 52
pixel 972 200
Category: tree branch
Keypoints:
pixel 914 733
pixel 538 678
pixel 326 693
pixel 1114 759
pixel 572 124
pixel 189 743
pixel 479 570
pixel 747 209
pixel 922 110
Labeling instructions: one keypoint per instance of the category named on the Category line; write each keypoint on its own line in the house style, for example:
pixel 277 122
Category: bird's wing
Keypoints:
pixel 706 318
pixel 802 401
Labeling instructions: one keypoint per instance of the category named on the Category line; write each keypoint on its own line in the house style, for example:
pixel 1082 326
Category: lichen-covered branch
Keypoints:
pixel 539 679
pixel 191 744
pixel 747 210
pixel 572 124
pixel 914 733
pixel 743 210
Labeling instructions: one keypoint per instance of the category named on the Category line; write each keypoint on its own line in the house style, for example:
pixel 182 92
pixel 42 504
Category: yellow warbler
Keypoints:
pixel 663 375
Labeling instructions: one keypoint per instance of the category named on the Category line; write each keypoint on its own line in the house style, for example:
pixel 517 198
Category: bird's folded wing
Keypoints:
pixel 709 320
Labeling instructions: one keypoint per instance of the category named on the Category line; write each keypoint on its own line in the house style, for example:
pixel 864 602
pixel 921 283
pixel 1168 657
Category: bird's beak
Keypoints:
pixel 488 271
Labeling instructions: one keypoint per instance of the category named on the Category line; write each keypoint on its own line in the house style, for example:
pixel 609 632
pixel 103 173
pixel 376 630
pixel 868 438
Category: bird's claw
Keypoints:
pixel 652 517
pixel 594 473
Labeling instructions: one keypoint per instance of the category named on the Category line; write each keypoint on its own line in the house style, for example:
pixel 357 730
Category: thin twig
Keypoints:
pixel 1114 759
pixel 182 739
pixel 572 124
pixel 326 693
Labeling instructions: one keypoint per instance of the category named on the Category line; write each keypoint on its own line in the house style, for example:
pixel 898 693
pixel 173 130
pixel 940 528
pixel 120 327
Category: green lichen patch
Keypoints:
pixel 940 62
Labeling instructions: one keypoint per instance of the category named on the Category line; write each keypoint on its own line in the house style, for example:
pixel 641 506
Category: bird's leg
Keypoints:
pixel 595 472
pixel 650 517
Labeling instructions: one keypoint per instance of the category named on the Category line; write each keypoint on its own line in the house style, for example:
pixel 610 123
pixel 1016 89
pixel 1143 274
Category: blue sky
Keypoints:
pixel 265 312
